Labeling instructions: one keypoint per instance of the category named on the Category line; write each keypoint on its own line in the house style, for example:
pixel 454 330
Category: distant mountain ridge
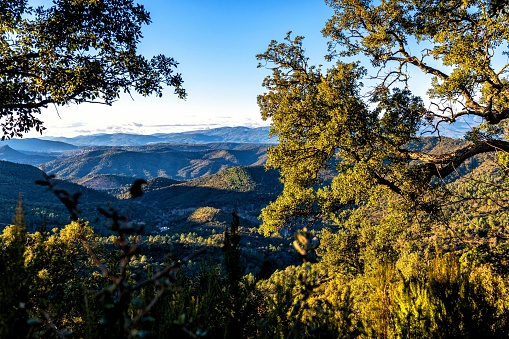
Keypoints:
pixel 172 161
pixel 9 154
pixel 257 135
pixel 238 134
pixel 36 145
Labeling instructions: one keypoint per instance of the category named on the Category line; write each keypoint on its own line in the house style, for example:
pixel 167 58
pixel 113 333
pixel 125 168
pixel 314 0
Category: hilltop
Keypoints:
pixel 9 154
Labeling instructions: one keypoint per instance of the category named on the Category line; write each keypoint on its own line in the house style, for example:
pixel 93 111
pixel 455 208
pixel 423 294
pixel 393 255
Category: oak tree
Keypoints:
pixel 72 52
pixel 329 120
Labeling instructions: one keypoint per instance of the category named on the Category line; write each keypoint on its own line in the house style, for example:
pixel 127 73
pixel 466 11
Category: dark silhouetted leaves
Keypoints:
pixel 136 189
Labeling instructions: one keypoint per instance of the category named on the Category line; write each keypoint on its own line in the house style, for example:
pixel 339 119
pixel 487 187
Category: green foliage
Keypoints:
pixel 321 122
pixel 406 249
pixel 73 52
pixel 49 289
pixel 460 43
pixel 206 214
pixel 341 146
pixel 406 244
pixel 19 216
pixel 237 179
pixel 299 304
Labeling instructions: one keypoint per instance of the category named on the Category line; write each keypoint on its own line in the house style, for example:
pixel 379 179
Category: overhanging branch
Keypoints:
pixel 441 165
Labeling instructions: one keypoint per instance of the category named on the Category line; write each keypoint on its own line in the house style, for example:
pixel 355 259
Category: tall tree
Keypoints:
pixel 72 52
pixel 327 119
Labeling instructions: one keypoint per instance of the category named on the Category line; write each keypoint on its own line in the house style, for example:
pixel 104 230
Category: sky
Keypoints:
pixel 215 43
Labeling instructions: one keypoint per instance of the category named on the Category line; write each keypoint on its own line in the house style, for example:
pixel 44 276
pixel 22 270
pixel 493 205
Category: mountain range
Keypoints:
pixel 193 185
pixel 258 135
pixel 180 156
pixel 159 160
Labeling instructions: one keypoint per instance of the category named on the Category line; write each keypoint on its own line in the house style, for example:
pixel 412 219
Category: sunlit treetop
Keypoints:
pixel 461 44
pixel 327 119
pixel 73 52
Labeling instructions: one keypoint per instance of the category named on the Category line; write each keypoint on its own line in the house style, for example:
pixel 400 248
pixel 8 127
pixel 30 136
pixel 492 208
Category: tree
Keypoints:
pixel 73 52
pixel 328 120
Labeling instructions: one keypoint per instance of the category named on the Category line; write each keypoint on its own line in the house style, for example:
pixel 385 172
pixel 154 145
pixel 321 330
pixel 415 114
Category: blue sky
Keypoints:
pixel 215 43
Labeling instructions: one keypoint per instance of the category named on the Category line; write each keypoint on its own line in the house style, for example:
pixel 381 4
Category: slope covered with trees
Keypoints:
pixel 378 275
pixel 399 237
pixel 180 162
pixel 44 210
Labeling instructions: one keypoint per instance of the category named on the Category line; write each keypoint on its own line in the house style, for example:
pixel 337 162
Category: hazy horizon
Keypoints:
pixel 172 129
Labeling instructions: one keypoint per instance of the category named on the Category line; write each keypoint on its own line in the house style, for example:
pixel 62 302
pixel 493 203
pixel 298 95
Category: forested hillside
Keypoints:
pixel 175 162
pixel 113 170
pixel 351 225
pixel 44 209
pixel 194 215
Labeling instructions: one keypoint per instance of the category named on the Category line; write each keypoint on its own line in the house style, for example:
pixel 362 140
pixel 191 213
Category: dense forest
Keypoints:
pixel 366 229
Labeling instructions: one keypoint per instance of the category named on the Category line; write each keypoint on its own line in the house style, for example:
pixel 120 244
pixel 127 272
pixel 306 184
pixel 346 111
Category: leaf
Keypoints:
pixel 298 248
pixel 302 239
pixel 136 189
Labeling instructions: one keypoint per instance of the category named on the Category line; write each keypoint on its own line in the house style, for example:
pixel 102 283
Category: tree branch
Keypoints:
pixel 441 165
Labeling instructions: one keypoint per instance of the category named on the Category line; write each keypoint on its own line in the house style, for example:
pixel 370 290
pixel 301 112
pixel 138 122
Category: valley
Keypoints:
pixel 191 191
pixel 181 177
pixel 372 200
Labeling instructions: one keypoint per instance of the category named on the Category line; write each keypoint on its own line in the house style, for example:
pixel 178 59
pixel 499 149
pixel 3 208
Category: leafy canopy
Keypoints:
pixel 73 52
pixel 342 145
